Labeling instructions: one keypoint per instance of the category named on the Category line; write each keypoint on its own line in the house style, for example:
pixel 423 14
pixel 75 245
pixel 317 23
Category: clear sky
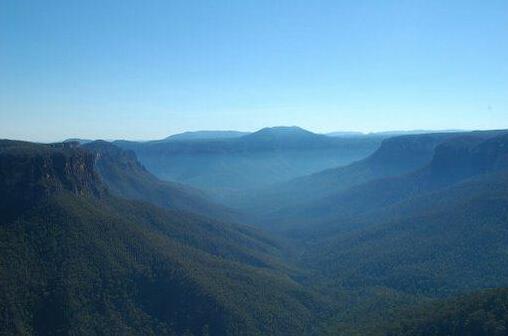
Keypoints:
pixel 147 69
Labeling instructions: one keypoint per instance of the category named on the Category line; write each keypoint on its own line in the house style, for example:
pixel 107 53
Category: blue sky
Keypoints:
pixel 146 69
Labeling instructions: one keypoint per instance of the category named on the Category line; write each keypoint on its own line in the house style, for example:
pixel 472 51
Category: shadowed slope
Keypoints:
pixel 453 159
pixel 126 177
pixel 482 313
pixel 78 260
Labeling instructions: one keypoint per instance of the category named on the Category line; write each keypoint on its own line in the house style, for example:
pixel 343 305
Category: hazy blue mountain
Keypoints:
pixel 389 134
pixel 345 134
pixel 395 156
pixel 126 177
pixel 77 260
pixel 423 234
pixel 106 247
pixel 403 167
pixel 285 137
pixel 268 156
pixel 78 140
pixel 413 132
pixel 455 160
pixel 205 135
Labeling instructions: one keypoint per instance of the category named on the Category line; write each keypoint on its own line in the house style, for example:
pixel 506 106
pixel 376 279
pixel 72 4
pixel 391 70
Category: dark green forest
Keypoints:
pixel 480 313
pixel 409 239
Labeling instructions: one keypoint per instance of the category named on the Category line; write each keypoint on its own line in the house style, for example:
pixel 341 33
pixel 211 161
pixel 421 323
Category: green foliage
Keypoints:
pixel 438 244
pixel 79 258
pixel 402 168
pixel 395 156
pixel 126 177
pixel 480 314
pixel 86 263
pixel 105 266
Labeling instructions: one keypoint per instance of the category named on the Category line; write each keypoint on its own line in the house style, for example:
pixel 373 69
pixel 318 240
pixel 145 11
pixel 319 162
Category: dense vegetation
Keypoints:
pixel 126 177
pixel 402 242
pixel 395 156
pixel 478 314
pixel 76 260
pixel 430 251
pixel 400 168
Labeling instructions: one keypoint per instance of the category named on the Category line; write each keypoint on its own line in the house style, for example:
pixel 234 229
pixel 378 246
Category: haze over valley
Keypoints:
pixel 252 168
pixel 338 225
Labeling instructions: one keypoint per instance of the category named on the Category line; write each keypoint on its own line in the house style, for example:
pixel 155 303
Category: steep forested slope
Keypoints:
pixel 78 257
pixel 395 156
pixel 126 177
pixel 453 160
pixel 457 247
pixel 76 260
pixel 484 313
pixel 450 239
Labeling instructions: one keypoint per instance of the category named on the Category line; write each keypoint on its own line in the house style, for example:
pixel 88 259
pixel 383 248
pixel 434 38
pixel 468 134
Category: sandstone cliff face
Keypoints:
pixel 29 173
pixel 467 156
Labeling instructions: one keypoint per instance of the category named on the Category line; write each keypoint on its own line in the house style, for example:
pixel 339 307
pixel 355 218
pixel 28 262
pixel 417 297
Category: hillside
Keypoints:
pixel 77 260
pixel 447 161
pixel 395 156
pixel 482 313
pixel 252 161
pixel 106 247
pixel 436 233
pixel 424 249
pixel 424 236
pixel 126 177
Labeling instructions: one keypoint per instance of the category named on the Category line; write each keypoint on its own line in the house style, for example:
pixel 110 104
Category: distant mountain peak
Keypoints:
pixel 78 140
pixel 283 131
pixel 205 135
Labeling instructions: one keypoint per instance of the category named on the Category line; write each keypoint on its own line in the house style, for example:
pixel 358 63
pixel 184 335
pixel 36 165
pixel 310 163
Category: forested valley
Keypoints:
pixel 276 232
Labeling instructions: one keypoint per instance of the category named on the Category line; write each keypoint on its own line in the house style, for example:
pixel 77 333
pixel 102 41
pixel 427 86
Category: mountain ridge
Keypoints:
pixel 204 135
pixel 126 177
pixel 225 166
pixel 394 171
pixel 93 263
